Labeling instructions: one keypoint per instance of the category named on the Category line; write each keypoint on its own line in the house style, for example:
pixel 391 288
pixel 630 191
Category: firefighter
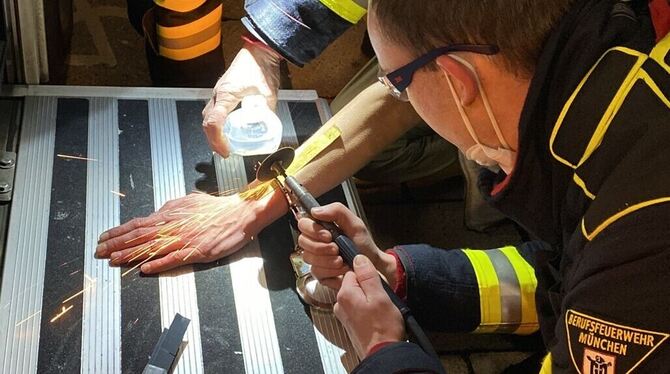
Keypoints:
pixel 568 105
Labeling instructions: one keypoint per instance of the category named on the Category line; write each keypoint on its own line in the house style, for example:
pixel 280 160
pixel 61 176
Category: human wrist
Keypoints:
pixel 374 348
pixel 251 43
pixel 387 265
pixel 270 207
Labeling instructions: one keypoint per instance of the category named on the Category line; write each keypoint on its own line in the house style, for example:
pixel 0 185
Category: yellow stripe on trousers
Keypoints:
pixel 191 52
pixel 347 9
pixel 192 40
pixel 194 27
pixel 179 5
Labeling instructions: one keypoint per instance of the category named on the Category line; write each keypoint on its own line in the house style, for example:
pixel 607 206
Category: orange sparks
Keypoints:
pixel 185 231
pixel 29 317
pixel 170 240
pixel 63 311
pixel 73 296
pixel 91 285
pixel 76 157
pixel 257 192
pixel 190 253
pixel 120 194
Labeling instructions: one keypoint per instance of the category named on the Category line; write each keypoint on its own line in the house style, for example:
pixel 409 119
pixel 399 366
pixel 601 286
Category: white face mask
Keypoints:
pixel 493 159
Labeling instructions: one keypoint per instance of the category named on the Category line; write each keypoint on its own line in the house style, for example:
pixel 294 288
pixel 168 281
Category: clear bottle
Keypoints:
pixel 253 129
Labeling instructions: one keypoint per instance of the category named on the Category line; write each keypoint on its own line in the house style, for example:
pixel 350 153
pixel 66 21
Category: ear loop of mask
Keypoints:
pixel 485 99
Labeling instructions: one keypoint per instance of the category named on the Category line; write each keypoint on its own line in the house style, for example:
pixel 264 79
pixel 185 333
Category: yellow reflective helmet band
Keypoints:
pixel 350 10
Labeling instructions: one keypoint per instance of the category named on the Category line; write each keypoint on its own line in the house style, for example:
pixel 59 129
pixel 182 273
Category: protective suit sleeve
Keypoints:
pixel 301 29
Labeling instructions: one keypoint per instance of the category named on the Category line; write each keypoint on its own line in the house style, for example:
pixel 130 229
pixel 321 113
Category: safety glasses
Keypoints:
pixel 398 80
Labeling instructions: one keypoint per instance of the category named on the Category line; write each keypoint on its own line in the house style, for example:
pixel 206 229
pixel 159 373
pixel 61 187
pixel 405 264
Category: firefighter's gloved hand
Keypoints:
pixel 254 71
pixel 320 252
pixel 365 310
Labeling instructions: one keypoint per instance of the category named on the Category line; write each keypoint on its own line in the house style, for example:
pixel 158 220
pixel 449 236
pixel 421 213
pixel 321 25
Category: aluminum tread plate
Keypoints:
pixel 253 300
pixel 21 291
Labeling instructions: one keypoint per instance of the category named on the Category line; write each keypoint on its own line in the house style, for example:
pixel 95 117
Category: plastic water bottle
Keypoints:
pixel 253 129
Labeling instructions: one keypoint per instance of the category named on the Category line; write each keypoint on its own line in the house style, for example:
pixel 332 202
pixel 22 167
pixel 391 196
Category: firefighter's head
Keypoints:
pixel 464 65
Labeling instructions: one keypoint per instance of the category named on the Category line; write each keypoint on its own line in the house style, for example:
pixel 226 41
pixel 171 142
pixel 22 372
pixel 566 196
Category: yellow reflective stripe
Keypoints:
pixel 179 5
pixel 190 41
pixel 191 52
pixel 564 112
pixel 582 185
pixel 313 147
pixel 347 9
pixel 614 105
pixel 660 51
pixel 546 364
pixel 489 291
pixel 528 283
pixel 194 27
pixel 568 104
pixel 654 87
pixel 622 213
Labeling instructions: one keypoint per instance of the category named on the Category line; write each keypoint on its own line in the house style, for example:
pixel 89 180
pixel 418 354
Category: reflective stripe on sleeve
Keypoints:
pixel 527 284
pixel 350 10
pixel 489 290
pixel 506 291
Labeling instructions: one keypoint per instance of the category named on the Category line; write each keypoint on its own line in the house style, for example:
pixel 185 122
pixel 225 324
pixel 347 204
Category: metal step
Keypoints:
pixel 146 143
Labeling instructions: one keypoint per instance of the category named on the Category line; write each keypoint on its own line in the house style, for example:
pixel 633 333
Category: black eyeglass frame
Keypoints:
pixel 398 80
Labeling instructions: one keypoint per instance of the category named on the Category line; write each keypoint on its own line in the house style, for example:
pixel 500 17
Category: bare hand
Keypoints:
pixel 364 309
pixel 323 254
pixel 254 71
pixel 196 228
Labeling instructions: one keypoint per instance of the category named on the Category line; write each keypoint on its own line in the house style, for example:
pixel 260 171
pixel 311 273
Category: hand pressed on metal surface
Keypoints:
pixel 364 309
pixel 196 228
pixel 323 254
pixel 254 71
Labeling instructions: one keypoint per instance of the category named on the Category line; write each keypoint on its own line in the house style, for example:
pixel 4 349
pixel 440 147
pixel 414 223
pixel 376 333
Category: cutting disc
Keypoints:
pixel 283 156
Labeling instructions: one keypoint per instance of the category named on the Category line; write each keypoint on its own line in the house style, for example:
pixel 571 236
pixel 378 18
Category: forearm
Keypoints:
pixel 368 124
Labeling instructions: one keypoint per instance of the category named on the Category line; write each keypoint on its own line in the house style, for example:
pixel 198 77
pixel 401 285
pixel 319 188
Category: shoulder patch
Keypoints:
pixel 597 346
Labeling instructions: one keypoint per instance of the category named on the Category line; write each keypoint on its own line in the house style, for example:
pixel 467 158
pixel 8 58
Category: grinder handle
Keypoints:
pixel 348 251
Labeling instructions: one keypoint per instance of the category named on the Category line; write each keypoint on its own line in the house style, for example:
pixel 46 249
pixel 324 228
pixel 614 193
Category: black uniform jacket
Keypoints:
pixel 592 180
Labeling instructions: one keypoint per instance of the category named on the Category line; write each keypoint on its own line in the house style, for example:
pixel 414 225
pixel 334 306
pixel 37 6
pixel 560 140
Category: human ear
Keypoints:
pixel 465 83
